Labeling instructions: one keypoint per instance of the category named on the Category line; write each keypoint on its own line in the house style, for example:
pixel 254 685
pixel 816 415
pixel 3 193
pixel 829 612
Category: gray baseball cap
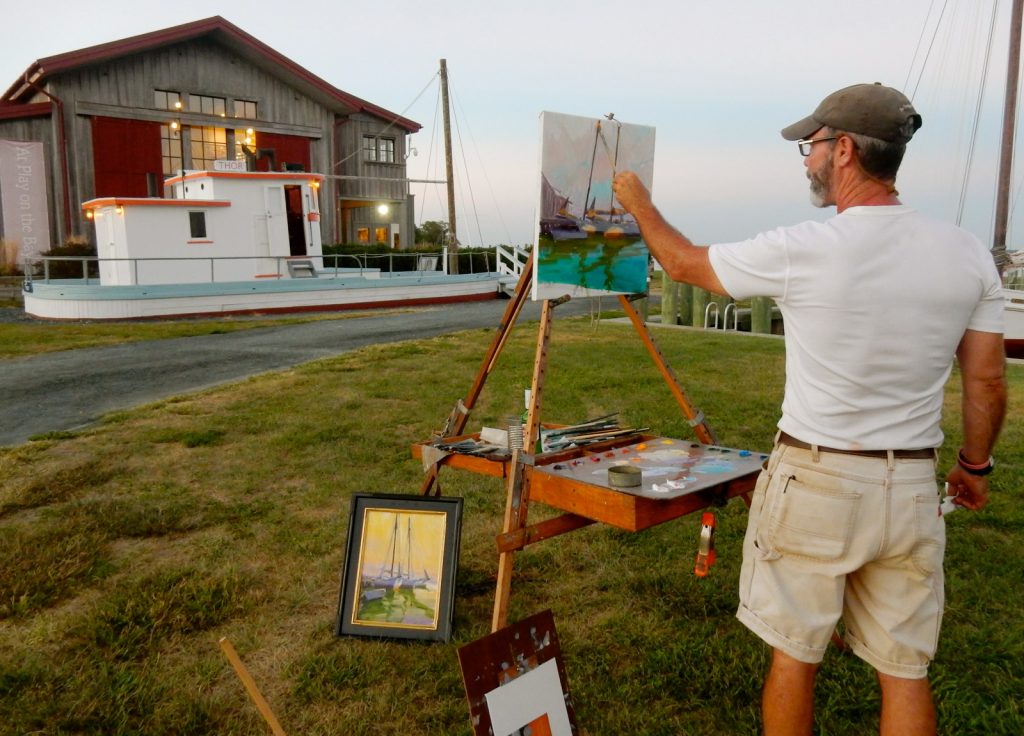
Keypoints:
pixel 869 109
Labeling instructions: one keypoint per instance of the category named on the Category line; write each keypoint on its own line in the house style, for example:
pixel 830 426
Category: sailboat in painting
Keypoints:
pixel 396 572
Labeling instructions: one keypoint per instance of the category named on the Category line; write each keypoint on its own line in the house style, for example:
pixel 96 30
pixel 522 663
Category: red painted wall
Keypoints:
pixel 124 151
pixel 287 149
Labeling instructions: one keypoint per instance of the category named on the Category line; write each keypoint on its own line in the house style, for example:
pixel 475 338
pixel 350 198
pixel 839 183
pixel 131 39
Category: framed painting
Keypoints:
pixel 587 244
pixel 398 578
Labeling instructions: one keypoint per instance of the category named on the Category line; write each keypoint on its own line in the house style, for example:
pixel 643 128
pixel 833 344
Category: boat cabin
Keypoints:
pixel 215 226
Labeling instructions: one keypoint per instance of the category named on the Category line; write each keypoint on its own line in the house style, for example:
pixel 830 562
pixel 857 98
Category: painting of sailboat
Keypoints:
pixel 398 578
pixel 587 245
pixel 400 567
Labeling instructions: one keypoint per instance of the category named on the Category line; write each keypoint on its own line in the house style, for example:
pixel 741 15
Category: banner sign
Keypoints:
pixel 25 220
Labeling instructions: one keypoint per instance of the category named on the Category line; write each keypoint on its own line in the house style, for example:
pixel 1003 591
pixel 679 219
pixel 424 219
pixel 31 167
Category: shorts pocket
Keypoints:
pixel 929 535
pixel 811 522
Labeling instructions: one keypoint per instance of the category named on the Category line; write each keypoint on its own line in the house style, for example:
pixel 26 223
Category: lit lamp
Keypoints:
pixel 382 209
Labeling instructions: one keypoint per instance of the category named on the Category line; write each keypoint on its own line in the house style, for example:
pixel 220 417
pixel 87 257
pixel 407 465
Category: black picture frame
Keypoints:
pixel 398 577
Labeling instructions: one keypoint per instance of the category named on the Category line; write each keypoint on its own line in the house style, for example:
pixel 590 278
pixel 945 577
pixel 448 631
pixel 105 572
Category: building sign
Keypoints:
pixel 229 165
pixel 23 209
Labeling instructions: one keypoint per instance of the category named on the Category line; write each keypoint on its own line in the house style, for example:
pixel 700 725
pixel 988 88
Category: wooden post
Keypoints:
pixel 700 303
pixel 669 300
pixel 761 315
pixel 1006 147
pixel 685 304
pixel 453 240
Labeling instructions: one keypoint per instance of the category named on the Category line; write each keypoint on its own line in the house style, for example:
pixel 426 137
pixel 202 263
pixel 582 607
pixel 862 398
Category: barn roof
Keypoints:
pixel 231 36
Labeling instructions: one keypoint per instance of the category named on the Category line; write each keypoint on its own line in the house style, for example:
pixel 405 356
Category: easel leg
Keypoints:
pixel 696 417
pixel 457 420
pixel 518 498
pixel 515 518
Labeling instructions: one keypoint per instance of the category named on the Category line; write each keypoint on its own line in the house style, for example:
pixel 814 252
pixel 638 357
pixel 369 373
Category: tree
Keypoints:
pixel 433 232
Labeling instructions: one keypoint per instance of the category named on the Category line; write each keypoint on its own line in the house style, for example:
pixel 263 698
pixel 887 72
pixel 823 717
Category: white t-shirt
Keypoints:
pixel 875 302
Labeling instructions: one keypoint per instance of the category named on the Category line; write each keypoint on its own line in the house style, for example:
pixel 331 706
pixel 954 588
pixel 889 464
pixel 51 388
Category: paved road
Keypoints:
pixel 70 389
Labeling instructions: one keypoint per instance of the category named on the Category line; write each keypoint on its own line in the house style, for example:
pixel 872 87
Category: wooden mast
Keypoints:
pixel 453 242
pixel 1006 149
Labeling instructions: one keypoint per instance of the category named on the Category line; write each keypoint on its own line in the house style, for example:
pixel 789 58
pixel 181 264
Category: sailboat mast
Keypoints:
pixel 593 157
pixel 1006 149
pixel 453 242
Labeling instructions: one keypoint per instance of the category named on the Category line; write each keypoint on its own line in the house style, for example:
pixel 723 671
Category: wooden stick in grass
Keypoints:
pixel 250 685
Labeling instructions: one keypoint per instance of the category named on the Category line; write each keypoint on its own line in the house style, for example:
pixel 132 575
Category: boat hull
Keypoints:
pixel 1014 323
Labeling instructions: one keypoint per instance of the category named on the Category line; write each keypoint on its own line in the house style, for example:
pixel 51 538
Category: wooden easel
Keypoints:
pixel 515 534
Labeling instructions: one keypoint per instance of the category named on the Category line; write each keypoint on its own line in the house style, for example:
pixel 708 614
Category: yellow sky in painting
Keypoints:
pixel 428 532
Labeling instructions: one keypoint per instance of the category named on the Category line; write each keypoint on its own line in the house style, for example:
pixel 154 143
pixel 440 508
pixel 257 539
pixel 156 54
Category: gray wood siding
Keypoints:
pixel 353 163
pixel 124 87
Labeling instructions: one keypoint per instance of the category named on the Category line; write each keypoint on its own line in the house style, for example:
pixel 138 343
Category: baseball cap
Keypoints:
pixel 869 109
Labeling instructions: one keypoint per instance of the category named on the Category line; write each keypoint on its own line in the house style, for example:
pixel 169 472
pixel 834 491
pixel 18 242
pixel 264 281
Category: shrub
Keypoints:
pixel 75 247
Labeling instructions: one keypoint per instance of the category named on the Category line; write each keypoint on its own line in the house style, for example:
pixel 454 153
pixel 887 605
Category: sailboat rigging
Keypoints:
pixel 558 222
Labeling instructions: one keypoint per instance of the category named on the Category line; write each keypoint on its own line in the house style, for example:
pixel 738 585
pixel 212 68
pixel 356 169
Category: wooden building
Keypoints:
pixel 118 119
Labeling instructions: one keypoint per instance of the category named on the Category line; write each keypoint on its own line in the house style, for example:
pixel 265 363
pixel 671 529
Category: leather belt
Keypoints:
pixel 922 454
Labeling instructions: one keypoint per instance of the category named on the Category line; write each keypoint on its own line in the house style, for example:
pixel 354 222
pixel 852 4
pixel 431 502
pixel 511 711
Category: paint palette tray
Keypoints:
pixel 669 468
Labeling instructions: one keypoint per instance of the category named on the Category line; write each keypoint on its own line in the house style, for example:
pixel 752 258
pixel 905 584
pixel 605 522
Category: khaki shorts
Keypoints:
pixel 836 536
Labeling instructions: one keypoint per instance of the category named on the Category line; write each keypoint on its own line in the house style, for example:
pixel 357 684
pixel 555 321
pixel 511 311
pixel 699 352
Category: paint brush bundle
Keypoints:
pixel 593 430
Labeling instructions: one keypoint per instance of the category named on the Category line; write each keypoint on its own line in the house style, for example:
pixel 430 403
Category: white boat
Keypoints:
pixel 1014 334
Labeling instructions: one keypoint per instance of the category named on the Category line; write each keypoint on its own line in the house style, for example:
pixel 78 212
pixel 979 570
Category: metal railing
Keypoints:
pixel 336 265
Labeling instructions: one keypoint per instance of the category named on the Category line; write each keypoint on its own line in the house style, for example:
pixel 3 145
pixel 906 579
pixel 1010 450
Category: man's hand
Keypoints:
pixel 971 491
pixel 630 191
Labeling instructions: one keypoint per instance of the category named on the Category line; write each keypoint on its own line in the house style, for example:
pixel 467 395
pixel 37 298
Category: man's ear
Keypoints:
pixel 845 151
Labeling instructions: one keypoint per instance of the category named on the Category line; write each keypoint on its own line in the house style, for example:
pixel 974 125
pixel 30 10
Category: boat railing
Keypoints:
pixel 511 259
pixel 87 269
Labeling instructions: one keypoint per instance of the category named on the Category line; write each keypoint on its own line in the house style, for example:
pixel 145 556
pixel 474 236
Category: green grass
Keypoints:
pixel 22 339
pixel 127 550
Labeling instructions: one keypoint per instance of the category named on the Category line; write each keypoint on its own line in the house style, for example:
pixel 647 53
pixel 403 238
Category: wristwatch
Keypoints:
pixel 975 468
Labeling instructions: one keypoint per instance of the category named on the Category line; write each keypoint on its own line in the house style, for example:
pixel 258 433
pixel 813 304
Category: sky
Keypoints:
pixel 717 80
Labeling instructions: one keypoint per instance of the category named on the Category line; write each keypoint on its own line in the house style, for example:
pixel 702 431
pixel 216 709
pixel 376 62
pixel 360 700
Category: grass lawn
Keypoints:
pixel 128 549
pixel 29 338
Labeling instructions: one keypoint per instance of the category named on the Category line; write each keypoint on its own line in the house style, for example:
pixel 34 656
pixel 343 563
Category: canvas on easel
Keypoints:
pixel 587 244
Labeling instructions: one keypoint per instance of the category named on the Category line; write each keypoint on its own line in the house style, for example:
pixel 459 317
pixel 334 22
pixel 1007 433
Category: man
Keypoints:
pixel 844 522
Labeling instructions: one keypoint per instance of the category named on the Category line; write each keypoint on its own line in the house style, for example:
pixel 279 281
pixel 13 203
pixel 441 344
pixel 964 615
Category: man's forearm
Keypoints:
pixel 983 408
pixel 682 260
pixel 982 365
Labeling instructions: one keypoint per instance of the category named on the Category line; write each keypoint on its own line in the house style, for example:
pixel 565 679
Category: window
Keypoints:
pixel 381 234
pixel 170 148
pixel 197 224
pixel 208 145
pixel 245 109
pixel 245 142
pixel 164 100
pixel 363 235
pixel 369 148
pixel 207 105
pixel 381 150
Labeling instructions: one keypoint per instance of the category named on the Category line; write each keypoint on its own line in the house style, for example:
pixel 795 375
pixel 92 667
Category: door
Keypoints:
pixel 277 224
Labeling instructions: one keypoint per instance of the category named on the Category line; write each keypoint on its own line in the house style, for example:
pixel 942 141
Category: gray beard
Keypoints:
pixel 821 182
